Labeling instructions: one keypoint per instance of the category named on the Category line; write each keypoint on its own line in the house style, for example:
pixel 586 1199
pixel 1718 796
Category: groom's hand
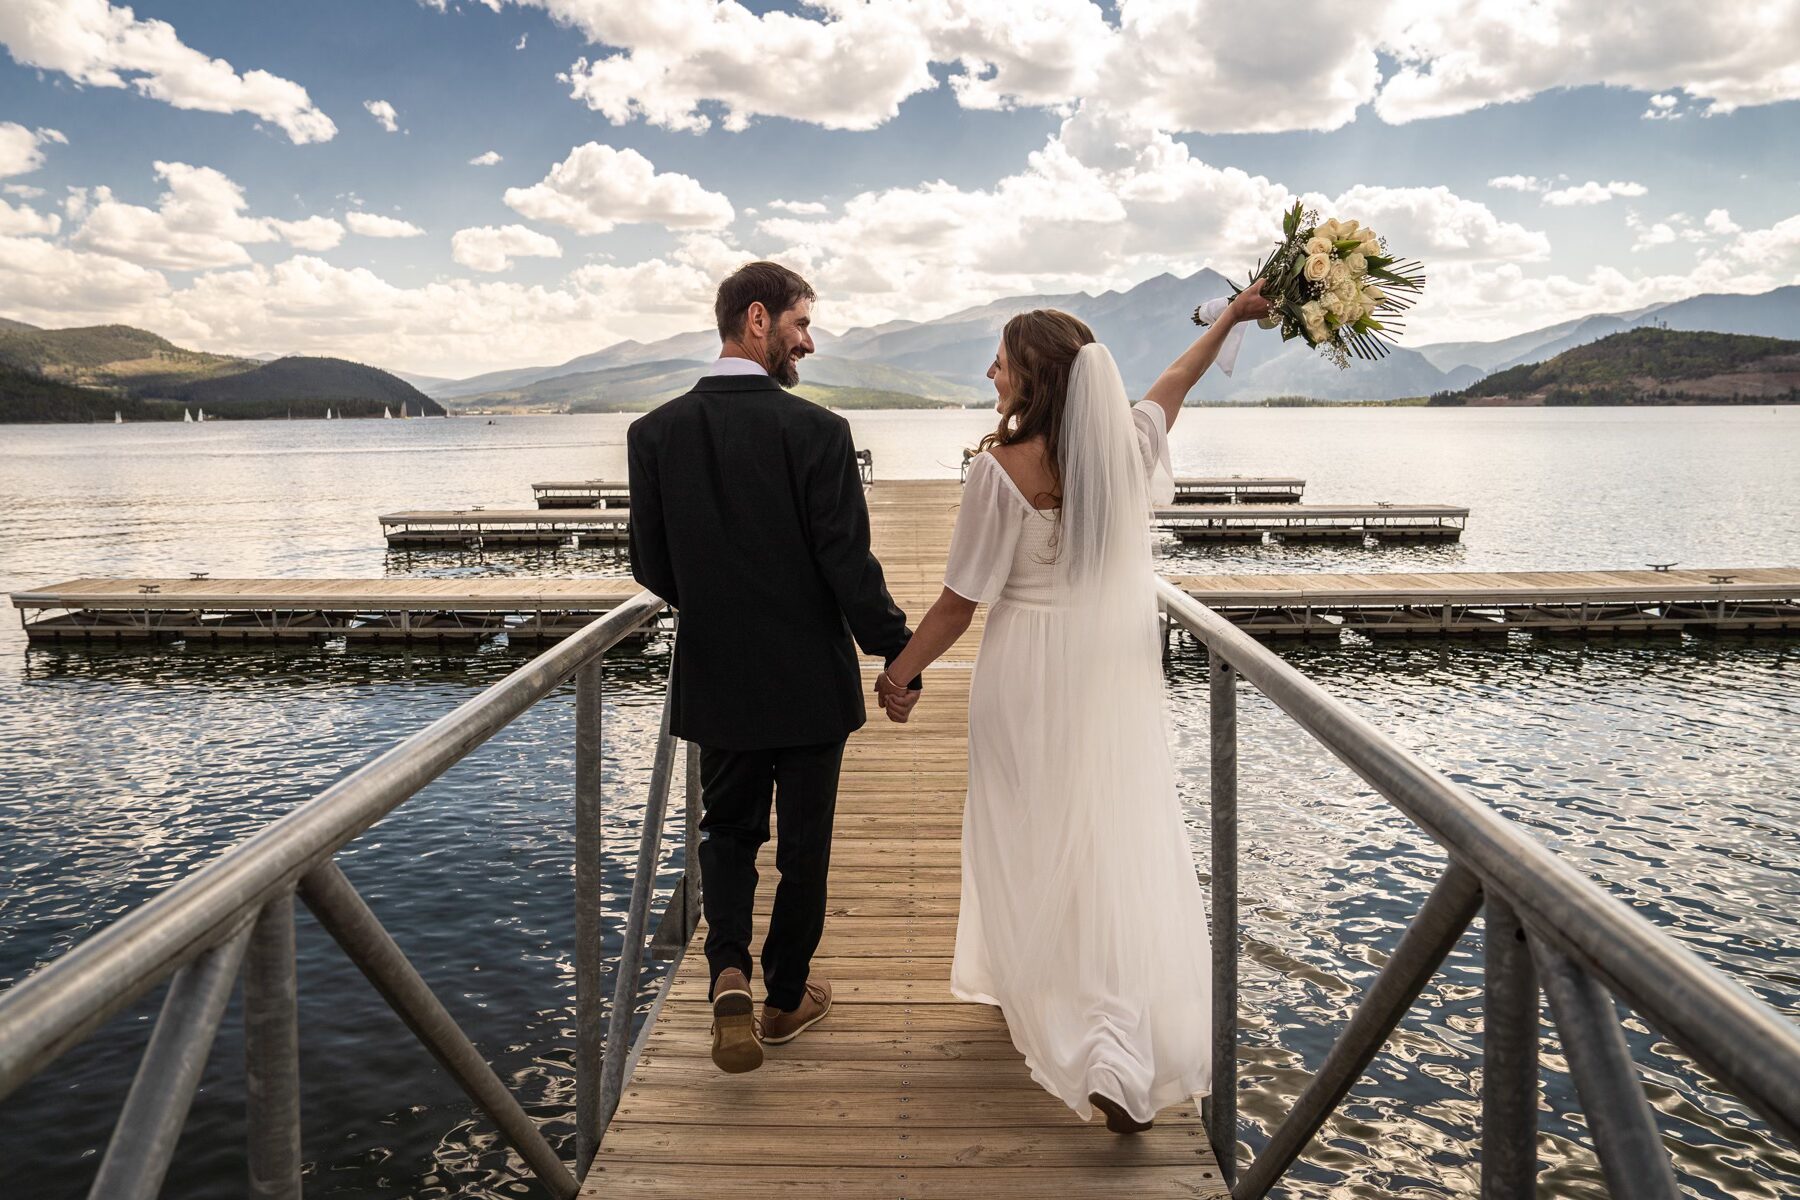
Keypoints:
pixel 897 702
pixel 899 706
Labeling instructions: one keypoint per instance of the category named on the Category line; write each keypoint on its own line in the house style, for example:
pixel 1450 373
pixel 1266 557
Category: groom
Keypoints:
pixel 747 516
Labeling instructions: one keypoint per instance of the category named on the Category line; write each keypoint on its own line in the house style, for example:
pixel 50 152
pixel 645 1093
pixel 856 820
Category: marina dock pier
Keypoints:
pixel 1239 489
pixel 582 493
pixel 471 527
pixel 1314 522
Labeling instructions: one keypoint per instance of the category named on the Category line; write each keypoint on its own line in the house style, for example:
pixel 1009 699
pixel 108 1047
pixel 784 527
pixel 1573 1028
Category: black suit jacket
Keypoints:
pixel 747 515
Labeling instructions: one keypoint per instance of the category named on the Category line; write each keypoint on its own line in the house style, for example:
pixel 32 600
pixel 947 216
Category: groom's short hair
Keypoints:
pixel 777 288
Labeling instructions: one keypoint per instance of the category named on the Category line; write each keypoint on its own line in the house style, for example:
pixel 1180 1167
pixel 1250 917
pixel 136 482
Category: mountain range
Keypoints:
pixel 91 372
pixel 1146 326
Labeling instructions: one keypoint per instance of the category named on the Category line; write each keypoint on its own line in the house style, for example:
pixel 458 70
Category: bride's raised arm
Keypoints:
pixel 1179 377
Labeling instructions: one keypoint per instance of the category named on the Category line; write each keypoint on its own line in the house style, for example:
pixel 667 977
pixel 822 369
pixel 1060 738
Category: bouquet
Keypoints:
pixel 1334 284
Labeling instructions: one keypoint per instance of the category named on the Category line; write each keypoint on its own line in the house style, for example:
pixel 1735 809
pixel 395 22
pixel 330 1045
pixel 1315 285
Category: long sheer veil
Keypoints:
pixel 1105 828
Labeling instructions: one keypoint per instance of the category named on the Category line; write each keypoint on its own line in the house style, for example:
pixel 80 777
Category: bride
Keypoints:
pixel 1081 914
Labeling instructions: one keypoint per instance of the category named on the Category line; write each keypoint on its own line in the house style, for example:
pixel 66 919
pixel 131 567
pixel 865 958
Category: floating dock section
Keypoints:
pixel 1434 604
pixel 582 493
pixel 472 528
pixel 1239 489
pixel 244 611
pixel 224 611
pixel 1315 522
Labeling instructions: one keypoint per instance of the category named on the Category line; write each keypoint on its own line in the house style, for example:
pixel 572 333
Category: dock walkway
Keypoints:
pixel 902 1091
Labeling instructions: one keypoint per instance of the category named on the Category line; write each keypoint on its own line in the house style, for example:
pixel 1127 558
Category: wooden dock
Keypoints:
pixel 582 493
pixel 1719 600
pixel 1314 522
pixel 468 528
pixel 227 611
pixel 446 611
pixel 902 1091
pixel 1239 489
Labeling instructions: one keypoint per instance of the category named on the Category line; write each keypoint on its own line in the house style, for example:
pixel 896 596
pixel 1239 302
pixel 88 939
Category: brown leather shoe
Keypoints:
pixel 1117 1119
pixel 736 1046
pixel 781 1027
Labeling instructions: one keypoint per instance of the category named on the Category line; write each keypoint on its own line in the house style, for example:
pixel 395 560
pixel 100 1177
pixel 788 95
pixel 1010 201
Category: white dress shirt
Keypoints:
pixel 730 365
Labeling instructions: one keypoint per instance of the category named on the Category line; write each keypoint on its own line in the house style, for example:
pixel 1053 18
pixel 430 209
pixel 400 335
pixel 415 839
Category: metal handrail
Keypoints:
pixel 1580 939
pixel 238 910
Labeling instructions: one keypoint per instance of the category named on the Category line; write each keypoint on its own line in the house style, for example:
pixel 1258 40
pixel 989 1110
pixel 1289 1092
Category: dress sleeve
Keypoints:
pixel 1153 445
pixel 987 531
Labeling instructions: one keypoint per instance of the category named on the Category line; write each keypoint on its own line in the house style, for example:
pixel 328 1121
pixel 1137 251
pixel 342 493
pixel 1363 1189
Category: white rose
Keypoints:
pixel 1318 244
pixel 1338 275
pixel 1312 316
pixel 1328 230
pixel 1333 304
pixel 1374 295
pixel 1318 267
pixel 1347 229
pixel 1358 264
pixel 1345 288
pixel 1369 241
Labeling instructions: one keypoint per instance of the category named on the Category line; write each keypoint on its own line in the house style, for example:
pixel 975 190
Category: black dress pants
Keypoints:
pixel 738 787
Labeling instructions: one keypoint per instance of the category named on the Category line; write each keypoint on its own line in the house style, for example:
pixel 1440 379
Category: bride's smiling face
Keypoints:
pixel 1001 374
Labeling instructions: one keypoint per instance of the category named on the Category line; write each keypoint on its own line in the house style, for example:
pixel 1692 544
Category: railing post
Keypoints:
pixel 143 1139
pixel 691 872
pixel 272 1054
pixel 589 1043
pixel 1221 1126
pixel 637 919
pixel 1630 1149
pixel 1509 1058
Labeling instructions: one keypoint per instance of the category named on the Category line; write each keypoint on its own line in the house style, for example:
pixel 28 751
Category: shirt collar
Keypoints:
pixel 736 366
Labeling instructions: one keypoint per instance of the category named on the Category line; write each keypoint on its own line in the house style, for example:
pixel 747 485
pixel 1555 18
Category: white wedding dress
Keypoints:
pixel 1081 916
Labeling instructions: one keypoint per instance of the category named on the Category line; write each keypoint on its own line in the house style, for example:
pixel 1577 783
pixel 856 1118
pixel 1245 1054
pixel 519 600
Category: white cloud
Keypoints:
pixel 23 220
pixel 858 62
pixel 1519 183
pixel 1719 221
pixel 1649 236
pixel 384 114
pixel 1176 66
pixel 1592 192
pixel 800 208
pixel 597 188
pixel 454 326
pixel 199 222
pixel 99 45
pixel 490 248
pixel 21 149
pixel 1662 108
pixel 367 224
pixel 24 191
pixel 520 45
pixel 311 233
pixel 487 158
pixel 1436 225
pixel 1459 55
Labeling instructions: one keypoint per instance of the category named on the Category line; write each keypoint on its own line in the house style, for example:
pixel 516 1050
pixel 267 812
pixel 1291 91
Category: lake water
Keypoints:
pixel 1668 769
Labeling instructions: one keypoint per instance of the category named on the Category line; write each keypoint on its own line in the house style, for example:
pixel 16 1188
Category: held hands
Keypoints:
pixel 897 702
pixel 1249 304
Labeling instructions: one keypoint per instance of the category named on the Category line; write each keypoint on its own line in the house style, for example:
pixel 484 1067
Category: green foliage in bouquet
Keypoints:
pixel 1334 285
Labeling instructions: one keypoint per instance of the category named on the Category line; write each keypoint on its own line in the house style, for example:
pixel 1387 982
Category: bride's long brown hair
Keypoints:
pixel 1041 346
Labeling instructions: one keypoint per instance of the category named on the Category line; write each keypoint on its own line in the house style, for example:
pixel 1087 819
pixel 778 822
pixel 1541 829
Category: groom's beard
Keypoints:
pixel 783 369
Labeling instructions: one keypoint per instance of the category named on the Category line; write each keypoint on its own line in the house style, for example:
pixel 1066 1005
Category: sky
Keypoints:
pixel 453 186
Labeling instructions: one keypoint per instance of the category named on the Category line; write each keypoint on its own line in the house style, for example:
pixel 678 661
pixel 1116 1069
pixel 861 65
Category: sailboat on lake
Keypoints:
pixel 386 415
pixel 201 415
pixel 117 418
pixel 187 417
pixel 328 415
